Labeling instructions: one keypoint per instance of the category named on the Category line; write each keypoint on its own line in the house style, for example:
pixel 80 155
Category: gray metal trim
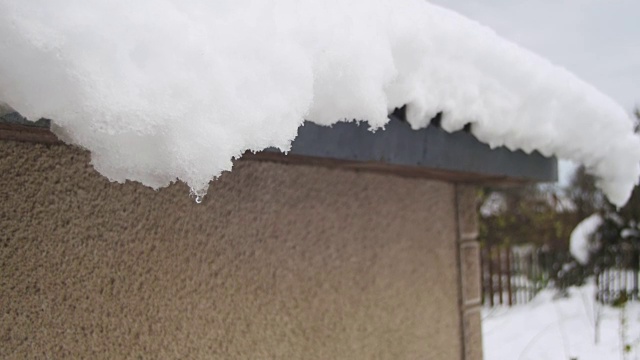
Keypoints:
pixel 432 147
pixel 15 118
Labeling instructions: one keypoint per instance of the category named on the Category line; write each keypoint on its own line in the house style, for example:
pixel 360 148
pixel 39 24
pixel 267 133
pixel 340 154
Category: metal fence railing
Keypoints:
pixel 514 275
pixel 616 285
pixel 510 276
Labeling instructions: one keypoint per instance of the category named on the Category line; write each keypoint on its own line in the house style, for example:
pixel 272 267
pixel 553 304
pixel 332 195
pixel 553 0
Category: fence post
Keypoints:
pixel 520 290
pixel 607 284
pixel 516 277
pixel 531 276
pixel 490 285
pixel 500 276
pixel 597 274
pixel 508 261
pixel 483 278
pixel 635 268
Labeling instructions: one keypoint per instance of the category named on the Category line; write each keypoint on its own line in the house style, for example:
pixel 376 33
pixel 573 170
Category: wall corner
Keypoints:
pixel 469 271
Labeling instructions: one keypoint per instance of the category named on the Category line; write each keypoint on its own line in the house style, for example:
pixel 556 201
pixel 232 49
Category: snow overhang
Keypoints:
pixel 172 96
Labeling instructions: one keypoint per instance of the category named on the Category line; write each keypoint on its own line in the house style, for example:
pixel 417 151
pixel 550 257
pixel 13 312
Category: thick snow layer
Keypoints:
pixel 562 329
pixel 580 242
pixel 174 89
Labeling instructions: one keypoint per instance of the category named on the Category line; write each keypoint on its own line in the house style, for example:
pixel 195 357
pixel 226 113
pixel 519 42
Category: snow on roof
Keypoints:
pixel 166 89
pixel 580 242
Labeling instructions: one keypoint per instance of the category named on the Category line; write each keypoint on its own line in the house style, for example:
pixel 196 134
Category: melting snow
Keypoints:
pixel 164 90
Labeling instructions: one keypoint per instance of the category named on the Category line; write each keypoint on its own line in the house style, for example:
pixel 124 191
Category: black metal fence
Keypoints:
pixel 616 275
pixel 511 276
pixel 514 275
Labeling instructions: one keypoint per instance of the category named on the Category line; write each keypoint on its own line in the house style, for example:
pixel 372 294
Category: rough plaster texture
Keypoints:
pixel 278 262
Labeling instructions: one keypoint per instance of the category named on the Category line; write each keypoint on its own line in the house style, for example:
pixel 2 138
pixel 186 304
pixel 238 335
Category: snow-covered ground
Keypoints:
pixel 548 329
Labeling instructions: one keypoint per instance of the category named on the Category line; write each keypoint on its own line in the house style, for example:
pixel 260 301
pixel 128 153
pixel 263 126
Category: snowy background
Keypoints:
pixel 550 328
pixel 598 41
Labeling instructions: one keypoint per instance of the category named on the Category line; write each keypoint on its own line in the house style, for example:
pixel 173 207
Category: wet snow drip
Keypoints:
pixel 170 90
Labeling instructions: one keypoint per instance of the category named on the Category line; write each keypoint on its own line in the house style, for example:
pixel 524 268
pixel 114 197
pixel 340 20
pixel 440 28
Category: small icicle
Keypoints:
pixel 197 195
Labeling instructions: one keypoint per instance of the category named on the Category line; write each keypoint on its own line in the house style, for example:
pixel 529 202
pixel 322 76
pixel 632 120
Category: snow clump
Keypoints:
pixel 581 242
pixel 168 90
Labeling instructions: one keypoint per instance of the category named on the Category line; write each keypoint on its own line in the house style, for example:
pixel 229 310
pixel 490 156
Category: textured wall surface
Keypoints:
pixel 278 262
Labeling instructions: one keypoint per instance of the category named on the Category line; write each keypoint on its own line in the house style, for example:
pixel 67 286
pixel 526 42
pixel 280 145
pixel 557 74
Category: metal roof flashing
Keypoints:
pixel 431 151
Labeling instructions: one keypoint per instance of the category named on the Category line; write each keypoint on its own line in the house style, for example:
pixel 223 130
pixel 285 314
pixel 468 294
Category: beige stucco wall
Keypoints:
pixel 278 262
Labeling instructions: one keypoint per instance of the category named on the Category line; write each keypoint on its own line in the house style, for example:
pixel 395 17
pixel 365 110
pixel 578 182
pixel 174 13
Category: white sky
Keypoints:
pixel 598 40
